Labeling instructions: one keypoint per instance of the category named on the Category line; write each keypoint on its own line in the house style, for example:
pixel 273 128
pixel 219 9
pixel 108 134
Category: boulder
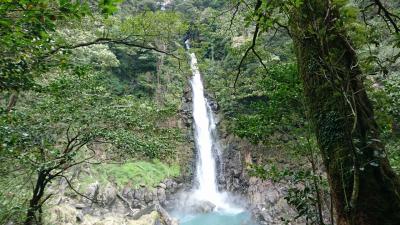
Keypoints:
pixel 201 207
pixel 162 185
pixel 92 191
pixel 126 192
pixel 109 195
pixel 110 220
pixel 149 219
pixel 61 214
pixel 148 196
pixel 161 195
pixel 139 194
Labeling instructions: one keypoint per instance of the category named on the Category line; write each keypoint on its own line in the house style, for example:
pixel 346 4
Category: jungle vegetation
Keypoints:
pixel 94 82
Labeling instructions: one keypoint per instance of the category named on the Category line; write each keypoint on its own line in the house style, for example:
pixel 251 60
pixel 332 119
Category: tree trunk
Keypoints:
pixel 364 188
pixel 35 205
pixel 12 101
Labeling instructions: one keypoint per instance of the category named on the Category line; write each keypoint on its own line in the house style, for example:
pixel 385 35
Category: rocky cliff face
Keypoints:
pixel 107 204
pixel 187 124
pixel 265 198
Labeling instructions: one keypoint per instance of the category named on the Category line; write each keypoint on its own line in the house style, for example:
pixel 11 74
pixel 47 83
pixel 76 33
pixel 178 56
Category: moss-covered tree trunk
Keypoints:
pixel 364 187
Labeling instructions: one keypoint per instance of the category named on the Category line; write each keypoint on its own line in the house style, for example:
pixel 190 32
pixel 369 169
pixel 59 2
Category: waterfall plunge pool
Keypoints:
pixel 215 218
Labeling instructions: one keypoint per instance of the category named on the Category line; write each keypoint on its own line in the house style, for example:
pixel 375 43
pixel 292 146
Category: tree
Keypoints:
pixel 364 187
pixel 41 149
pixel 69 102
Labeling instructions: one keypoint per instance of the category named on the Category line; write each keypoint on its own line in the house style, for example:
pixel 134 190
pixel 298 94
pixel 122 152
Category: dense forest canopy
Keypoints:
pixel 312 85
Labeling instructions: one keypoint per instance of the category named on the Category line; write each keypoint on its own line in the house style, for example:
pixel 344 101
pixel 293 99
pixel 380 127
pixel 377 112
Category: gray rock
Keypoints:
pixel 79 217
pixel 161 195
pixel 92 191
pixel 136 203
pixel 201 207
pixel 168 183
pixel 148 196
pixel 80 206
pixel 272 196
pixel 109 195
pixel 162 185
pixel 126 192
pixel 139 194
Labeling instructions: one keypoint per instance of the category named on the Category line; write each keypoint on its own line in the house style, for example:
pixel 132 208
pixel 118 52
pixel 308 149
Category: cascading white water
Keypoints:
pixel 206 173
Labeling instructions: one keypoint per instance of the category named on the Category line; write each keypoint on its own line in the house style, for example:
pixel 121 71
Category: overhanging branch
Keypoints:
pixel 111 41
pixel 389 17
pixel 252 46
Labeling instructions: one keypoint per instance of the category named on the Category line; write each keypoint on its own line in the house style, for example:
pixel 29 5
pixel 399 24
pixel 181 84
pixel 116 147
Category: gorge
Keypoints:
pixel 268 112
pixel 223 210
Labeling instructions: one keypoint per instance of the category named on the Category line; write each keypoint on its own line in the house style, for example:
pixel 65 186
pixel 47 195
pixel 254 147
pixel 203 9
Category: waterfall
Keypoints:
pixel 204 203
pixel 204 125
pixel 205 165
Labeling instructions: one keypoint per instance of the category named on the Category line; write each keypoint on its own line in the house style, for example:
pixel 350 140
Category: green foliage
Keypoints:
pixel 87 105
pixel 56 56
pixel 277 108
pixel 131 7
pixel 26 36
pixel 132 173
pixel 386 99
pixel 393 150
pixel 109 6
pixel 264 104
pixel 159 26
pixel 14 191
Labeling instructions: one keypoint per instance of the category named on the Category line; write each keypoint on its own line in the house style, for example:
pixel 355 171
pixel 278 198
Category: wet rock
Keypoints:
pixel 236 173
pixel 201 207
pixel 168 183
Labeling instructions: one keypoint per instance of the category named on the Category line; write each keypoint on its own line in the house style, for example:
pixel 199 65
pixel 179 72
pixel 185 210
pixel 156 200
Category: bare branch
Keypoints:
pixel 240 66
pixel 105 40
pixel 45 199
pixel 284 27
pixel 126 202
pixel 235 7
pixel 234 15
pixel 76 191
pixel 252 46
pixel 388 16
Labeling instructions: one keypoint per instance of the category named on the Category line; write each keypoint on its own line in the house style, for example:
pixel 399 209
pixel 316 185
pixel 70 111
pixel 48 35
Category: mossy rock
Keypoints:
pixel 61 214
pixel 148 219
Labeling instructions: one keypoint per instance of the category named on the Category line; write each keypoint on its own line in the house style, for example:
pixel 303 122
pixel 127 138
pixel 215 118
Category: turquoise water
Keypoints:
pixel 217 218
